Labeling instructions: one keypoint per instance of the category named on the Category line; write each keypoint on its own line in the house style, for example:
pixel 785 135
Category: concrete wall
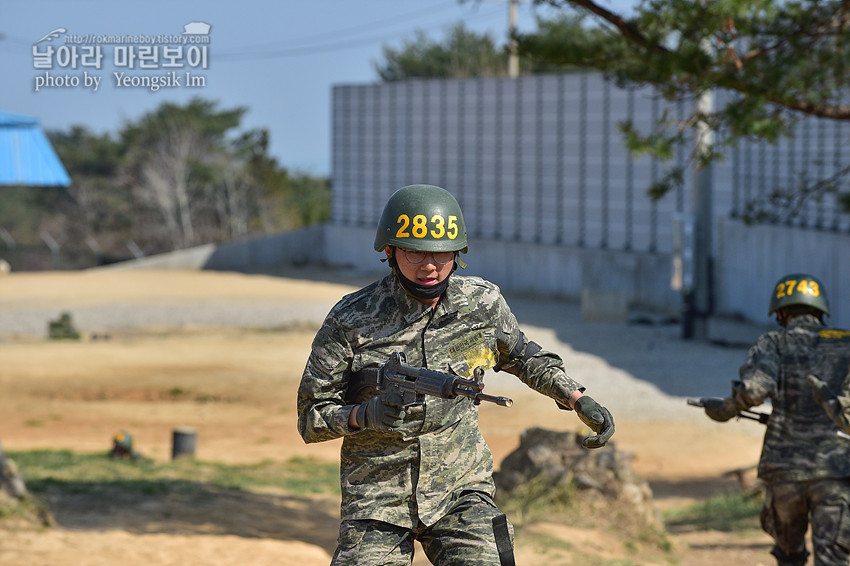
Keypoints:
pixel 270 253
pixel 266 254
pixel 750 259
pixel 606 281
pixel 535 159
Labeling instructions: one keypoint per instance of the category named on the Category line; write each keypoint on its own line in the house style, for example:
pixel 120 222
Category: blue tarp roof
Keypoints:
pixel 26 156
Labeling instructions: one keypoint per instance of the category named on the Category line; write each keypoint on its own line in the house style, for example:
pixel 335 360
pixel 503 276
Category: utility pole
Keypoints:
pixel 513 55
pixel 698 299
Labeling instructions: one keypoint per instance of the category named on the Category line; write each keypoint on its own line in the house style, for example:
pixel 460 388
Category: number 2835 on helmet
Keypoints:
pixel 422 217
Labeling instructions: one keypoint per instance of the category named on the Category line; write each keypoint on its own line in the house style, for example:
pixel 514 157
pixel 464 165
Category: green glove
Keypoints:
pixel 383 413
pixel 597 418
pixel 718 409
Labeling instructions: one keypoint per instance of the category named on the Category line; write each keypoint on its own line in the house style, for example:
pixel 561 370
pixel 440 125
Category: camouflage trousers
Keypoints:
pixel 789 507
pixel 463 537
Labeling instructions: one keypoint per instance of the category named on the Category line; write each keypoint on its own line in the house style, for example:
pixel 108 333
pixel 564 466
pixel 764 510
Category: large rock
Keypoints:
pixel 553 468
pixel 14 493
pixel 12 485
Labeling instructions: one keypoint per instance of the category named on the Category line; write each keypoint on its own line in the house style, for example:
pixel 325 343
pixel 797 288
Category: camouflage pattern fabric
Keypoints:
pixel 785 518
pixel 414 475
pixel 800 442
pixel 462 537
pixel 804 464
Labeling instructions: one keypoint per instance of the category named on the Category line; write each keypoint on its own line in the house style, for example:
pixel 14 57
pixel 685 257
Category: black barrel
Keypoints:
pixel 183 442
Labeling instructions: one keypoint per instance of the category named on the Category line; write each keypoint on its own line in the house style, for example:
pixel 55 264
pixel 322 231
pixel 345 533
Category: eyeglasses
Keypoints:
pixel 416 256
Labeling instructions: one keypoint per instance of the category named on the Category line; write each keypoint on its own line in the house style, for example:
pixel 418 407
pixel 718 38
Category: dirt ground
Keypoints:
pixel 237 389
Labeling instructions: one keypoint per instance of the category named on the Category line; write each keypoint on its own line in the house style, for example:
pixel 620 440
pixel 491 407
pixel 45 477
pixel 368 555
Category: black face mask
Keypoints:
pixel 423 292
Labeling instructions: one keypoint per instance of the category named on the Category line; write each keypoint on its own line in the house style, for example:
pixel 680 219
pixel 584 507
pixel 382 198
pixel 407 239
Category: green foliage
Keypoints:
pixel 782 60
pixel 537 497
pixel 94 162
pixel 723 513
pixel 296 199
pixel 177 176
pixel 784 205
pixel 310 199
pixel 19 212
pixel 88 154
pixel 464 53
pixel 568 42
pixel 198 114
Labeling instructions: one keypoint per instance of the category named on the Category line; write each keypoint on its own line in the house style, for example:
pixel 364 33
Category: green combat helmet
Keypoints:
pixel 422 217
pixel 798 289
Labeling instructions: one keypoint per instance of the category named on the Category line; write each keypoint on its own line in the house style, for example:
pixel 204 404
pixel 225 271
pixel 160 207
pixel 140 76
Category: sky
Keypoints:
pixel 279 59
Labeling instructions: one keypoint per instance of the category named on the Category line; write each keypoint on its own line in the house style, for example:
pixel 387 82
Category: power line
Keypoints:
pixel 337 33
pixel 300 50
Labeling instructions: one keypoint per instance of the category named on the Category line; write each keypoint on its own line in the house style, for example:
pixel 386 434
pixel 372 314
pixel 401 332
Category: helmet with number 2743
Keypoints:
pixel 798 289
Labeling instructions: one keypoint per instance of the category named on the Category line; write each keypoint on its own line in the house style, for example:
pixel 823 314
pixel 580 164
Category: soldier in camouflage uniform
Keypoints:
pixel 423 472
pixel 804 463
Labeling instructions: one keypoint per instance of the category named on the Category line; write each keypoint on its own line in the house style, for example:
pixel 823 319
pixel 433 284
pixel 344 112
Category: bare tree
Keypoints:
pixel 165 179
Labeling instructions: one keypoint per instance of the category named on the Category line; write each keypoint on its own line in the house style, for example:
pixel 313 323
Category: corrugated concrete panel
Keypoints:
pixel 751 259
pixel 537 159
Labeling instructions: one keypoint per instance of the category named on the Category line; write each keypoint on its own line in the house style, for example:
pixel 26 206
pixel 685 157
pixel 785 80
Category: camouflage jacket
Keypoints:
pixel 417 472
pixel 800 442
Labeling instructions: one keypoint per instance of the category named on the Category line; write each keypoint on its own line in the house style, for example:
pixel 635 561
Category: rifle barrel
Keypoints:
pixel 502 401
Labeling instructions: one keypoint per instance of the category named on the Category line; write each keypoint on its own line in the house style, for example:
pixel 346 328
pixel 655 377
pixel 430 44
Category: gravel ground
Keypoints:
pixel 641 371
pixel 110 317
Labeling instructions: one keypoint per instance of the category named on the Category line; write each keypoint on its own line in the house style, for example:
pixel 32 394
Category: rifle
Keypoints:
pixel 754 415
pixel 743 414
pixel 414 383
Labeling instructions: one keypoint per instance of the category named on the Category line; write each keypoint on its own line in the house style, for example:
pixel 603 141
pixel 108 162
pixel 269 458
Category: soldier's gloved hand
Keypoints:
pixel 597 418
pixel 718 409
pixel 383 412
